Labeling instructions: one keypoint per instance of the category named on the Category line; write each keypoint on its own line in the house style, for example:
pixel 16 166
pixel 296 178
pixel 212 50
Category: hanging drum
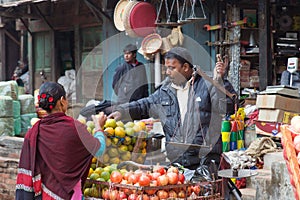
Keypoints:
pixel 139 19
pixel 118 13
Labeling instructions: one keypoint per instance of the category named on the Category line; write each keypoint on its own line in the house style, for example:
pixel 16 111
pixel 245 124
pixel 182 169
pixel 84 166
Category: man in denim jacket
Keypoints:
pixel 189 107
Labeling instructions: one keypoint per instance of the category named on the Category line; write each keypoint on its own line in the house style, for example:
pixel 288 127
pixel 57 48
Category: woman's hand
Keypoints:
pixel 99 120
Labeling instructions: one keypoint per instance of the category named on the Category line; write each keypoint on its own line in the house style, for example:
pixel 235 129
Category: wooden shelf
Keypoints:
pixel 250 28
pixel 250 55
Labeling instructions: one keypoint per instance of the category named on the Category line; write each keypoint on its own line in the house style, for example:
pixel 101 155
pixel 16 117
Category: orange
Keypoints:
pixel 120 132
pixel 110 131
pixel 90 172
pixel 142 125
pixel 94 160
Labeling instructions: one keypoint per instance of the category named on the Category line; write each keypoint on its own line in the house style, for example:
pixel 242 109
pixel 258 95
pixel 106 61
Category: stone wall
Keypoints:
pixel 10 148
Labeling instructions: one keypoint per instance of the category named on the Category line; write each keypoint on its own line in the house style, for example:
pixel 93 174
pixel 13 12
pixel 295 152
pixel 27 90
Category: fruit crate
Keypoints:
pixel 206 190
pixel 290 156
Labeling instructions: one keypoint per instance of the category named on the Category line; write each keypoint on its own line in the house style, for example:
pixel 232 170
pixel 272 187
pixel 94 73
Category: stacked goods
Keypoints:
pixel 232 131
pixel 277 108
pixel 9 88
pixel 27 111
pixel 225 131
pixel 155 183
pixel 291 152
pixel 6 116
pixel 17 117
pixel 244 73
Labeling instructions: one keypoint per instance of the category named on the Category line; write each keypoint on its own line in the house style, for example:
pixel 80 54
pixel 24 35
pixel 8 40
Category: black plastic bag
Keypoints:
pixel 103 106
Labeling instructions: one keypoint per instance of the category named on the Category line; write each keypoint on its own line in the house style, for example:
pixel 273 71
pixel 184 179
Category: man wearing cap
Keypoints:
pixel 190 109
pixel 130 79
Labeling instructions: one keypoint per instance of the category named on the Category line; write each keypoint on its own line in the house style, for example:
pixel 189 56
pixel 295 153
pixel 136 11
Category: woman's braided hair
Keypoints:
pixel 49 94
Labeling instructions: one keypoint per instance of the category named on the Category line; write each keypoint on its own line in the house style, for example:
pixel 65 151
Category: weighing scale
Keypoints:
pixel 292 67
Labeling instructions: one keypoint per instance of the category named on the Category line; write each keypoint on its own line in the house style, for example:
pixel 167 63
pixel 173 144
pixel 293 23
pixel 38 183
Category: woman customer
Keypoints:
pixel 57 150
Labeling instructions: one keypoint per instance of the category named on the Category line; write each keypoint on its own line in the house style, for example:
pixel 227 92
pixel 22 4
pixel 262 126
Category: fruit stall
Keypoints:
pixel 291 152
pixel 121 174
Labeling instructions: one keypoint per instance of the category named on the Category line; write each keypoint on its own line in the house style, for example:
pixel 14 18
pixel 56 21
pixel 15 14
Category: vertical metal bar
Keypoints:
pixel 2 53
pixel 235 35
pixel 265 65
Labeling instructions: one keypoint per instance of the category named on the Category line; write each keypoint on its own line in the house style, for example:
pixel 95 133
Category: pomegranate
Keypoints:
pixel 116 177
pixel 172 194
pixel 162 194
pixel 162 180
pixel 172 178
pixel 173 169
pixel 144 180
pixel 159 169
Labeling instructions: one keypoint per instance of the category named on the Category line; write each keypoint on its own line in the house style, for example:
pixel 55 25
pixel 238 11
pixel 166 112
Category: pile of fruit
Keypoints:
pixel 291 152
pixel 159 183
pixel 124 141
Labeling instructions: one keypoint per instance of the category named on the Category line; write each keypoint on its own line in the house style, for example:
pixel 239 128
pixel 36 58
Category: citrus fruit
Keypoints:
pixel 126 156
pixel 93 166
pixel 144 151
pixel 129 131
pixel 143 145
pixel 107 169
pixel 90 124
pixel 94 192
pixel 94 160
pixel 90 172
pixel 133 140
pixel 113 152
pixel 127 140
pixel 110 131
pixel 113 166
pixel 115 141
pixel 105 158
pixel 94 176
pixel 142 125
pixel 98 170
pixel 101 179
pixel 89 129
pixel 120 132
pixel 123 171
pixel 114 160
pixel 111 123
pixel 120 123
pixel 108 142
pixel 105 175
pixel 123 149
pixel 130 147
pixel 137 128
pixel 86 192
pixel 129 124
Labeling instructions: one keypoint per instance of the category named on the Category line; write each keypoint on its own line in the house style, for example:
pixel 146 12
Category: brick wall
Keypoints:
pixel 10 148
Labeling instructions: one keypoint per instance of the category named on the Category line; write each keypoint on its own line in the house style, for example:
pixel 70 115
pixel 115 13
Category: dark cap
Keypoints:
pixel 130 48
pixel 182 53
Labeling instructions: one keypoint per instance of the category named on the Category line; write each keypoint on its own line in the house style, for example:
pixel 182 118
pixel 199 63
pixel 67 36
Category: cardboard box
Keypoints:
pixel 276 115
pixel 268 128
pixel 278 102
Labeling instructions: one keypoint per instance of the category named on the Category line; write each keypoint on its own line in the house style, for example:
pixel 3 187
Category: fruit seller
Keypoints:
pixel 126 84
pixel 57 150
pixel 190 109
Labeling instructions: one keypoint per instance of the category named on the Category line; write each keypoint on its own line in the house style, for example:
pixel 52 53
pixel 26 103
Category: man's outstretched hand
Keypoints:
pixel 115 115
